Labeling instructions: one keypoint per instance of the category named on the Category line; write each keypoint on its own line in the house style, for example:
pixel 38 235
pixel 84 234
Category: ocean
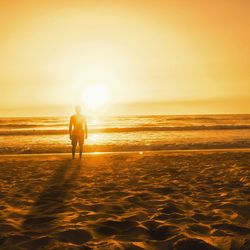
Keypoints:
pixel 126 133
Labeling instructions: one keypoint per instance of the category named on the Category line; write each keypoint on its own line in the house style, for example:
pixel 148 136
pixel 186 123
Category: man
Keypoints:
pixel 77 131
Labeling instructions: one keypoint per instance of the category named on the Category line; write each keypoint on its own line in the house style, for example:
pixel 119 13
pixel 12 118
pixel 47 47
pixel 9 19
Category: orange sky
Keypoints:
pixel 141 50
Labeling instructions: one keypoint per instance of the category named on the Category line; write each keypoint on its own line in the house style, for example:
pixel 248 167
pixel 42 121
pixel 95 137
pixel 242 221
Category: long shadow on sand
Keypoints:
pixel 47 211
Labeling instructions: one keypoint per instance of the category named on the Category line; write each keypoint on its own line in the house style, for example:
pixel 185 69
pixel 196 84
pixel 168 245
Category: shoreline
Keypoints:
pixel 145 152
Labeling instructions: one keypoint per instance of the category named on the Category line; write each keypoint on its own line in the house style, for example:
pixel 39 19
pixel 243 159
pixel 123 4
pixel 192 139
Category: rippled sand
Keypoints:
pixel 185 200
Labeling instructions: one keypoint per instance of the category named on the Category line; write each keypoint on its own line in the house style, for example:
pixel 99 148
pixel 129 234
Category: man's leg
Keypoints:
pixel 80 149
pixel 73 151
pixel 74 143
pixel 81 142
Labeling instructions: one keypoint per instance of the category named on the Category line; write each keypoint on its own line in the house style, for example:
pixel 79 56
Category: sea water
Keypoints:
pixel 126 133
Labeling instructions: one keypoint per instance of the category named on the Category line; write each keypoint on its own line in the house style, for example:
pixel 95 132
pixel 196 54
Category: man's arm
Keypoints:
pixel 70 127
pixel 86 128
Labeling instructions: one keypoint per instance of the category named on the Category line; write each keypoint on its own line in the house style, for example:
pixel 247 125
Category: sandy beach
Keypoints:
pixel 181 200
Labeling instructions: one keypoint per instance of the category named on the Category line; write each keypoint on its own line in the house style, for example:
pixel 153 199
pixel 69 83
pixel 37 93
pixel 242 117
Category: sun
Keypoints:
pixel 95 96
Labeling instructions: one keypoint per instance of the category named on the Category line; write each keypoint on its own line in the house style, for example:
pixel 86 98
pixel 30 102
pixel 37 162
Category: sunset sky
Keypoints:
pixel 162 56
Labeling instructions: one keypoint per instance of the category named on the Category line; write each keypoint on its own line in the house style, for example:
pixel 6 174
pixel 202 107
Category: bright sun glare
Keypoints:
pixel 94 96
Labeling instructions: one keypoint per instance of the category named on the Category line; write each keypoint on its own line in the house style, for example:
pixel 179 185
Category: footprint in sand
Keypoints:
pixel 163 232
pixel 193 244
pixel 171 208
pixel 75 236
pixel 232 228
pixel 198 229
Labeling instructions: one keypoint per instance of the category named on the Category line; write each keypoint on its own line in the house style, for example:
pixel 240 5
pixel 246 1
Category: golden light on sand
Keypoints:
pixel 95 96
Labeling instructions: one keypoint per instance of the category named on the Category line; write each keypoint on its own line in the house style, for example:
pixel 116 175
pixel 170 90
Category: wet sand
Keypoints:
pixel 179 200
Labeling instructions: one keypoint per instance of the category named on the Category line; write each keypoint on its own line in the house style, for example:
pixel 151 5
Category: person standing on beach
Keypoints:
pixel 78 130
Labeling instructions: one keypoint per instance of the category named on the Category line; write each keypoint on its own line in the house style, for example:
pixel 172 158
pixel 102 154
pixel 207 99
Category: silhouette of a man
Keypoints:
pixel 78 130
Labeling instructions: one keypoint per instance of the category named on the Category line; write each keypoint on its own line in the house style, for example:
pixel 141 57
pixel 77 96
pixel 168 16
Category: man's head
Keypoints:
pixel 78 109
